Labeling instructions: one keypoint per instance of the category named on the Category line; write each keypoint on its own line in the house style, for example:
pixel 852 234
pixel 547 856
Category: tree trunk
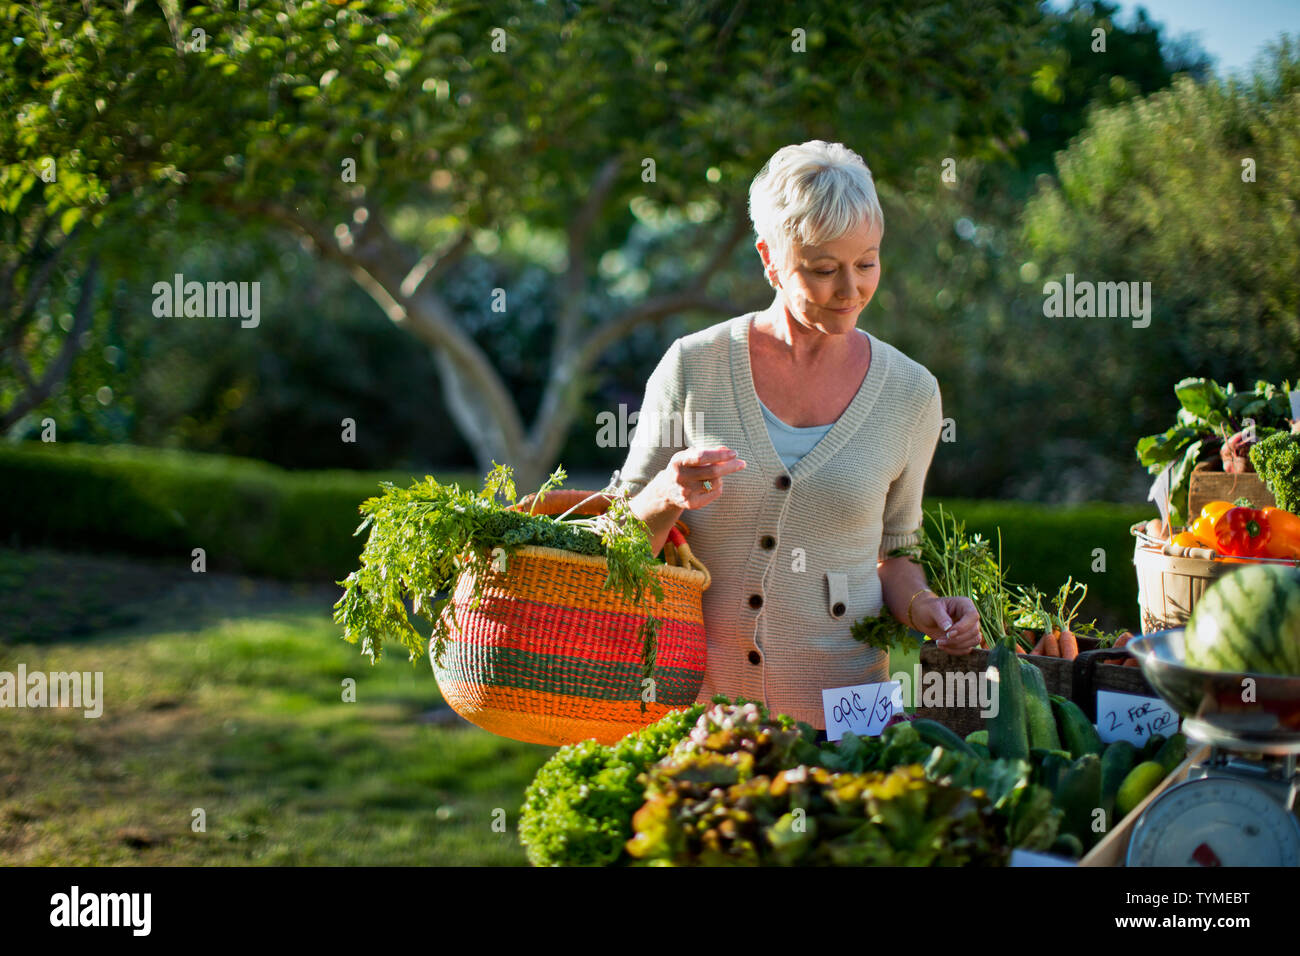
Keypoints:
pixel 478 399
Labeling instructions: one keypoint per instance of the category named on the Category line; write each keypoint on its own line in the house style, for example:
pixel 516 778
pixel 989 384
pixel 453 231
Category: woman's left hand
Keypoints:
pixel 953 622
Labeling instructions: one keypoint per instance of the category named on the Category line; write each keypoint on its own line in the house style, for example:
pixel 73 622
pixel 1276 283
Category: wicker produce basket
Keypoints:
pixel 550 657
pixel 1171 580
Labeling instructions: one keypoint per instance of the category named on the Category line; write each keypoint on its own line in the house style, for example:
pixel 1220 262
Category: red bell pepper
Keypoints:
pixel 1242 533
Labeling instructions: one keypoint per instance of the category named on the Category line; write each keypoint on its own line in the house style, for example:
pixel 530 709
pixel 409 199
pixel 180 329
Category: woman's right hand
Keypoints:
pixel 681 483
pixel 680 487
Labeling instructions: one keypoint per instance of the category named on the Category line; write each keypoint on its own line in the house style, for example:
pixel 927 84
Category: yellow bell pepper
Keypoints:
pixel 1203 525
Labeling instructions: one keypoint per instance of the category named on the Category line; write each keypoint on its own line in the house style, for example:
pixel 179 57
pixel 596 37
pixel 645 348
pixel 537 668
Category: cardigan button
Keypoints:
pixel 783 481
pixel 755 657
pixel 756 600
pixel 768 542
pixel 838 609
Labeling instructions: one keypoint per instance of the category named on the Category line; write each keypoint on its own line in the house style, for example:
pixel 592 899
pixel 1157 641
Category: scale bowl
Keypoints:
pixel 1212 701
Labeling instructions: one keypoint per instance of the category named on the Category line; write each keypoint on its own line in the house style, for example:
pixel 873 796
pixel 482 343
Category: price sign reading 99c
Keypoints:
pixel 863 709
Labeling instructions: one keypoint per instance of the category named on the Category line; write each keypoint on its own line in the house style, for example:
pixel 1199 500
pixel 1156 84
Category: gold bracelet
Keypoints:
pixel 910 622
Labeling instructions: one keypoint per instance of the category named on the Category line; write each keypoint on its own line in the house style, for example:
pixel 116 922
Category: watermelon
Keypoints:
pixel 1248 622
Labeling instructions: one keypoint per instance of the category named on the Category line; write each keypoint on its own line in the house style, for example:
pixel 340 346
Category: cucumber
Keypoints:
pixel 978 737
pixel 1078 794
pixel 1078 735
pixel 1050 766
pixel 1140 781
pixel 1151 747
pixel 937 735
pixel 981 751
pixel 1119 758
pixel 1008 731
pixel 1038 709
pixel 1172 752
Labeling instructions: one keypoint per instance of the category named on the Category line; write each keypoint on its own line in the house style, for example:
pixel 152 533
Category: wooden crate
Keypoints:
pixel 1113 849
pixel 1207 485
pixel 1077 680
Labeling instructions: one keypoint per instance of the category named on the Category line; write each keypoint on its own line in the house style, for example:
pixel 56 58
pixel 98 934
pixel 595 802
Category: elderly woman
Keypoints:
pixel 795 447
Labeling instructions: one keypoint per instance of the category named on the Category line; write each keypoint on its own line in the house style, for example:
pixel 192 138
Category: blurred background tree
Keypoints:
pixel 468 177
pixel 460 127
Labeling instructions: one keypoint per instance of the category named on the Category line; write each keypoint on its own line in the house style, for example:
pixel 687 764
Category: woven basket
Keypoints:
pixel 1172 579
pixel 549 657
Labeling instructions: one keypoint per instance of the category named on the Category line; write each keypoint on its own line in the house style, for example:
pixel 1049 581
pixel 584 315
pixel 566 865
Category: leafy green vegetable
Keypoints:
pixel 1277 460
pixel 424 537
pixel 709 809
pixel 1209 415
pixel 578 809
pixel 731 784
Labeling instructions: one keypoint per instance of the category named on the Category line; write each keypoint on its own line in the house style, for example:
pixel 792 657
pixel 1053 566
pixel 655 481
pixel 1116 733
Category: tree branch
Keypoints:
pixel 377 266
pixel 58 369
pixel 433 267
pixel 568 368
pixel 576 276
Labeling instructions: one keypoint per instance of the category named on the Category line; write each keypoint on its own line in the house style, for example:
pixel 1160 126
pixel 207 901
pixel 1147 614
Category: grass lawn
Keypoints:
pixel 225 694
pixel 234 706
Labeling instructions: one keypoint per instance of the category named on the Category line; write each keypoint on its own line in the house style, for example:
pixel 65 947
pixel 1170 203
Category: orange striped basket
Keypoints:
pixel 548 657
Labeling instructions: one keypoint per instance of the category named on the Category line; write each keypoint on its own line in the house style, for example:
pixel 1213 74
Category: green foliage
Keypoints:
pixel 423 538
pixel 1277 460
pixel 1137 61
pixel 257 518
pixel 246 515
pixel 1193 190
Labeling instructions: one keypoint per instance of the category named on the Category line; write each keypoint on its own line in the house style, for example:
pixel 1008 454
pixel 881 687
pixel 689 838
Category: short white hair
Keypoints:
pixel 815 192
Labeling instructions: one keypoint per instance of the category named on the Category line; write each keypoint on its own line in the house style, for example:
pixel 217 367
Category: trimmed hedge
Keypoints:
pixel 260 519
pixel 247 515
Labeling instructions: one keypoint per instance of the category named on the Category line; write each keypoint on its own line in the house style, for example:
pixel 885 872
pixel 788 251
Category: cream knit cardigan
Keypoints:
pixel 793 551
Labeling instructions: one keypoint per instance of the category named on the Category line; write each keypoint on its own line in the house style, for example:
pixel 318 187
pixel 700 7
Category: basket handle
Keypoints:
pixel 677 553
pixel 559 501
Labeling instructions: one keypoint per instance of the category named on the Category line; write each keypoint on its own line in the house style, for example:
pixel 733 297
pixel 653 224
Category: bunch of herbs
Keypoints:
pixel 955 563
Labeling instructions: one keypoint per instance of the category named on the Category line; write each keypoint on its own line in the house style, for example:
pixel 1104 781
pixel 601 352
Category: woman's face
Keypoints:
pixel 826 287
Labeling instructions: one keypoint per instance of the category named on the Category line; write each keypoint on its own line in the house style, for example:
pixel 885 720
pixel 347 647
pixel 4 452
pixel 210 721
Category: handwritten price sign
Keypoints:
pixel 862 708
pixel 1133 718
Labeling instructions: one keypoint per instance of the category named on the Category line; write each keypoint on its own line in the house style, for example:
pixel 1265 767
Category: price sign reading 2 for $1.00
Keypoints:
pixel 1133 718
pixel 862 708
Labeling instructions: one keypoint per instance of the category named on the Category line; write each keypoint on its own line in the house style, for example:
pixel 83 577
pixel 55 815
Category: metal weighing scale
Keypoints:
pixel 1238 807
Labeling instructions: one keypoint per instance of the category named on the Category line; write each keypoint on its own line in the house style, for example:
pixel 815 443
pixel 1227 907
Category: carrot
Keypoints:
pixel 1038 648
pixel 1069 645
pixel 560 500
pixel 1119 643
pixel 1132 662
pixel 1052 643
pixel 1019 647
